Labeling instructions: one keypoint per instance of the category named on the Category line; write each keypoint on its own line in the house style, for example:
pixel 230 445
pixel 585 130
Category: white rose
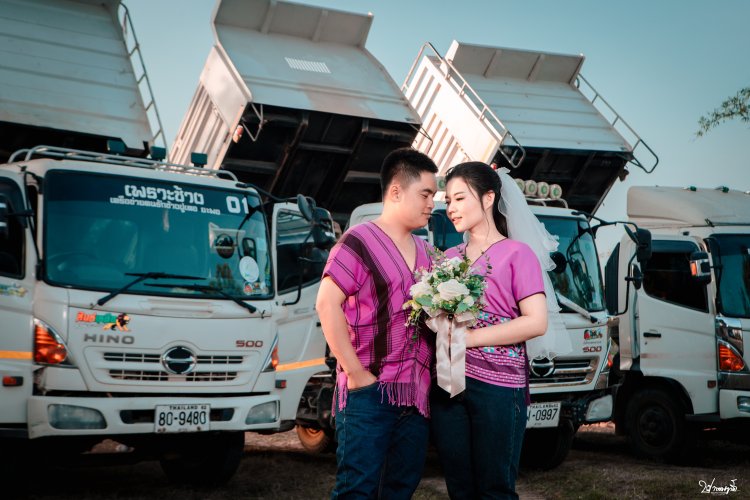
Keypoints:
pixel 455 261
pixel 469 300
pixel 452 289
pixel 419 289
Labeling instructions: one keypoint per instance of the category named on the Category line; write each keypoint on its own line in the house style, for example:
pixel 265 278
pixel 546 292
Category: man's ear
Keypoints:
pixel 394 192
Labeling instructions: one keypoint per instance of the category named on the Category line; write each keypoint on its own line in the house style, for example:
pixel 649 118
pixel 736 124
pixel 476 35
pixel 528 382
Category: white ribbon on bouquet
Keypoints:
pixel 450 349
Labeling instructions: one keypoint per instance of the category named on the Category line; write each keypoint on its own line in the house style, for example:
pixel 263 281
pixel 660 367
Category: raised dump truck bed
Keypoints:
pixel 67 79
pixel 658 207
pixel 530 111
pixel 316 112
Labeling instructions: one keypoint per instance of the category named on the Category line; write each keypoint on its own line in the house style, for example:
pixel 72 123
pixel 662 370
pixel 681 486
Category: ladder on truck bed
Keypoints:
pixel 74 76
pixel 563 131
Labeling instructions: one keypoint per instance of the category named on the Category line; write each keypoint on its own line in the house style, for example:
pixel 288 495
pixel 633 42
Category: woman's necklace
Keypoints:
pixel 487 246
pixel 488 264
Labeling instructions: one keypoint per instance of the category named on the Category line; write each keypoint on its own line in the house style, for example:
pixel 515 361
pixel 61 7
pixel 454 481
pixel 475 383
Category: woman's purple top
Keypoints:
pixel 515 275
pixel 368 267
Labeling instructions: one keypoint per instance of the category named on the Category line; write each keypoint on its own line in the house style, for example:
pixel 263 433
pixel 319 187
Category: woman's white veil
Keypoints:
pixel 525 227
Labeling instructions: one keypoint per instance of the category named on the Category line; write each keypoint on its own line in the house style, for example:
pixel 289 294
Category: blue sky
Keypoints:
pixel 660 64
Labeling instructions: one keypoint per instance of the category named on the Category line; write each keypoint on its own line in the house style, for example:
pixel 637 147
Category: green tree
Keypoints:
pixel 737 106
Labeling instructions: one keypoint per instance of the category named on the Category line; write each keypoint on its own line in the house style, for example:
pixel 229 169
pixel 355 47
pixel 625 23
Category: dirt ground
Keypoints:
pixel 275 467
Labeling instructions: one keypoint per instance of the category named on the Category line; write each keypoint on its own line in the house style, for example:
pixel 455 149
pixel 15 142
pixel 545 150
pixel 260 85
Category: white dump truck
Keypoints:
pixel 290 101
pixel 534 113
pixel 680 298
pixel 138 298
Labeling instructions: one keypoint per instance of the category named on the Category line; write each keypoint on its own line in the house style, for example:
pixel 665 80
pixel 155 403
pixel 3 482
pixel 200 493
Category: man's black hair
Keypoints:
pixel 407 164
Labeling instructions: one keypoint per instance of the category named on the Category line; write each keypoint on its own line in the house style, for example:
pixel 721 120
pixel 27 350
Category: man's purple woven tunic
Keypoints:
pixel 515 275
pixel 370 270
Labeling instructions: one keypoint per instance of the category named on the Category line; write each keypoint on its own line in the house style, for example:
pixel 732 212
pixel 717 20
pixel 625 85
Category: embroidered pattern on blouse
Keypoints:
pixel 487 319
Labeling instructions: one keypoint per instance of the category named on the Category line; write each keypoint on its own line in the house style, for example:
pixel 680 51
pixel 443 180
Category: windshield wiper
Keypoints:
pixel 207 288
pixel 144 276
pixel 564 301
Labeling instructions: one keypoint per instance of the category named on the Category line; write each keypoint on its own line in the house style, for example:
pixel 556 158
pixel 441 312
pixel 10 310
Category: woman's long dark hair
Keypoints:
pixel 482 179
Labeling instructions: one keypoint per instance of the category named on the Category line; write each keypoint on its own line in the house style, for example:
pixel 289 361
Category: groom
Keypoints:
pixel 383 373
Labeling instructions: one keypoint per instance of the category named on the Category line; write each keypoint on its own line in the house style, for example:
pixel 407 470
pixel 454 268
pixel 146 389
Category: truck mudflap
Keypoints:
pixel 87 416
pixel 316 405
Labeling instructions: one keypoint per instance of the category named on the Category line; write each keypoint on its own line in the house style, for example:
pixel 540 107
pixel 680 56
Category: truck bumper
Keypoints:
pixel 734 404
pixel 590 408
pixel 126 415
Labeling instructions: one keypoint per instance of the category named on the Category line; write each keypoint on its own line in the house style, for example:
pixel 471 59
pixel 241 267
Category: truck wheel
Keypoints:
pixel 206 460
pixel 656 425
pixel 545 449
pixel 316 441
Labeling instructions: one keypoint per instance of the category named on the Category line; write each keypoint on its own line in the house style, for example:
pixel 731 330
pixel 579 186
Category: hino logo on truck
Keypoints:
pixel 108 338
pixel 542 367
pixel 179 360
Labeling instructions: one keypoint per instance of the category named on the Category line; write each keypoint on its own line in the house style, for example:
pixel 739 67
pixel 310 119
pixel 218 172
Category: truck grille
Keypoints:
pixel 162 376
pixel 569 371
pixel 134 357
pixel 124 366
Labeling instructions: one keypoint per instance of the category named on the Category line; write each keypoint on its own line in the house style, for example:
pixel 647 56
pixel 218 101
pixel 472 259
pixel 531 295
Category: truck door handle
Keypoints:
pixel 656 335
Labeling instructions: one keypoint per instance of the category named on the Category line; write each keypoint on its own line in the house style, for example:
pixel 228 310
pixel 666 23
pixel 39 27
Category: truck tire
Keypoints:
pixel 316 441
pixel 545 449
pixel 656 427
pixel 204 460
pixel 18 466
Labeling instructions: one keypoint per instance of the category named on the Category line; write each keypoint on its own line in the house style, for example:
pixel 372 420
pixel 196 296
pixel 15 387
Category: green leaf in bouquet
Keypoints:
pixel 425 301
pixel 462 307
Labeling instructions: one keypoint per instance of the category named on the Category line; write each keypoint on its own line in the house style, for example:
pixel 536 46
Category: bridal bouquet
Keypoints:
pixel 448 298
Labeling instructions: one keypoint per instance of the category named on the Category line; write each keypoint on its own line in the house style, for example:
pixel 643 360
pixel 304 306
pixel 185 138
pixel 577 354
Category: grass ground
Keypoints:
pixel 275 467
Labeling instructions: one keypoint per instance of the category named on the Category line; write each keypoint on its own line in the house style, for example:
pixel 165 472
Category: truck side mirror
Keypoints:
pixel 700 267
pixel 323 233
pixel 561 263
pixel 5 210
pixel 636 277
pixel 306 207
pixel 643 250
pixel 611 282
pixel 642 240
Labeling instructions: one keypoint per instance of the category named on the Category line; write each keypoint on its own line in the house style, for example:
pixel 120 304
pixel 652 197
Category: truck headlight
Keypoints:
pixel 49 348
pixel 75 417
pixel 264 413
pixel 272 360
pixel 600 409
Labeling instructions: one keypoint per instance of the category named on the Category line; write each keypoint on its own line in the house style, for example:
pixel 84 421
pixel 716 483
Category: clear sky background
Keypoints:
pixel 660 64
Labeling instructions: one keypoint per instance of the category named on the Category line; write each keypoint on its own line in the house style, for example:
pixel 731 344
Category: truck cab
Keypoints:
pixel 682 318
pixel 142 302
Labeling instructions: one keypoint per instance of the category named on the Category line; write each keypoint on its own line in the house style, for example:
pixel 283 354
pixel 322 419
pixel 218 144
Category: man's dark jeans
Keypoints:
pixel 479 434
pixel 381 447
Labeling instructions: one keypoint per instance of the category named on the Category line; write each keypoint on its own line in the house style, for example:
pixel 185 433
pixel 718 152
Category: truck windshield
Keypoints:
pixel 734 274
pixel 581 281
pixel 98 227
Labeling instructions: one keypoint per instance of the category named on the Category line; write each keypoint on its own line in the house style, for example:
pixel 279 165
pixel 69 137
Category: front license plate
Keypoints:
pixel 182 418
pixel 543 415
